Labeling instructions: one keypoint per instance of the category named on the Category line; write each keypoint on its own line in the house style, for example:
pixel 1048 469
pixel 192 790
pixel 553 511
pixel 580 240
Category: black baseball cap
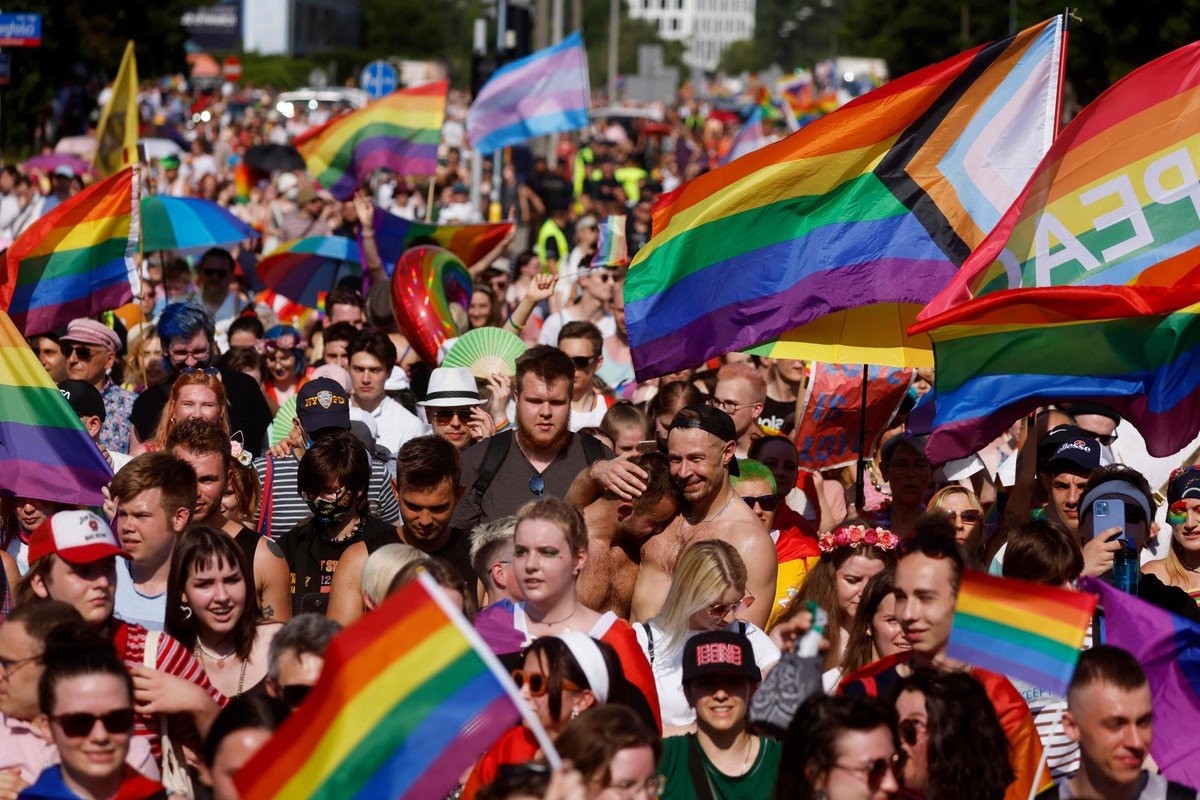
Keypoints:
pixel 719 653
pixel 711 420
pixel 323 403
pixel 85 399
pixel 1184 485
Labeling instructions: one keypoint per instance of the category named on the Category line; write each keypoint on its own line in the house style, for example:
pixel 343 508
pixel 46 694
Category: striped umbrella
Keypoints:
pixel 189 225
pixel 304 270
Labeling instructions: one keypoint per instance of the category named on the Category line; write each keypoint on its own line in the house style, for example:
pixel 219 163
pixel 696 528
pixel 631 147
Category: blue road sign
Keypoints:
pixel 379 78
pixel 20 30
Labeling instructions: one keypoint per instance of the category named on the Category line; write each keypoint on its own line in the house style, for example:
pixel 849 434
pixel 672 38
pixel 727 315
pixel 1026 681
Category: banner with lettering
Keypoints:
pixel 828 429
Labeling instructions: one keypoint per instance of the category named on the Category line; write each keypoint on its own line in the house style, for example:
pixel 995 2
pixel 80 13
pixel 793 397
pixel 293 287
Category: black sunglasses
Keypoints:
pixel 767 501
pixel 294 694
pixel 537 485
pixel 215 273
pixel 910 730
pixel 442 416
pixel 210 371
pixel 582 362
pixel 81 724
pixel 84 352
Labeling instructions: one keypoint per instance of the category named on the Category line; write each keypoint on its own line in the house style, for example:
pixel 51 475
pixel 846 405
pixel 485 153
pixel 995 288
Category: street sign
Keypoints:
pixel 379 78
pixel 5 69
pixel 20 30
pixel 231 69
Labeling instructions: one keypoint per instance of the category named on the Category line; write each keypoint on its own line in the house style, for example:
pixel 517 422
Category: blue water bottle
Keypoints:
pixel 1126 569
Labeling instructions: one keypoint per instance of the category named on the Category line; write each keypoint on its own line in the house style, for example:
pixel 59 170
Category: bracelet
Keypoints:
pixel 516 327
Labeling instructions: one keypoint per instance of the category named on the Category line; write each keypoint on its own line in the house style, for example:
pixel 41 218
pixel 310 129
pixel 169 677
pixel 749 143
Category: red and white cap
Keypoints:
pixel 80 537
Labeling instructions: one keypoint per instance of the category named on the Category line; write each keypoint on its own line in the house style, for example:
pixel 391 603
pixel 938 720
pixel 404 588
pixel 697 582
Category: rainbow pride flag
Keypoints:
pixel 612 249
pixel 77 260
pixel 409 698
pixel 1168 648
pixel 45 453
pixel 399 132
pixel 394 235
pixel 878 202
pixel 1088 287
pixel 1020 629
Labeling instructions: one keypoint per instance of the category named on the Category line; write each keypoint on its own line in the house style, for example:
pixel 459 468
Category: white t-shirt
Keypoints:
pixel 396 425
pixel 555 322
pixel 668 667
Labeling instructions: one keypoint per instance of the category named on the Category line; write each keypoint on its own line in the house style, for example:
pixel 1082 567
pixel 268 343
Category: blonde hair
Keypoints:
pixel 382 567
pixel 938 501
pixel 560 513
pixel 706 570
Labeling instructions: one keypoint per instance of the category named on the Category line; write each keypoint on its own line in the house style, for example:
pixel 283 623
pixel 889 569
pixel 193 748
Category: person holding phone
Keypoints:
pixel 1123 520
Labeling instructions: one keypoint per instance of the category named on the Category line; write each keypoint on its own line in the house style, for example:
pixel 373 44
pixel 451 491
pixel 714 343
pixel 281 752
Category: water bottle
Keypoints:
pixel 1126 569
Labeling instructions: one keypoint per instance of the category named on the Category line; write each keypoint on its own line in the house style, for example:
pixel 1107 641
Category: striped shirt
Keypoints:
pixel 287 508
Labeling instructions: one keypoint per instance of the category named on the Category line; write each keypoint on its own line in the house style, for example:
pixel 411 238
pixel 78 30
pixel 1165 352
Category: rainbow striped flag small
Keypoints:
pixel 409 698
pixel 45 453
pixel 612 249
pixel 77 260
pixel 399 132
pixel 1020 629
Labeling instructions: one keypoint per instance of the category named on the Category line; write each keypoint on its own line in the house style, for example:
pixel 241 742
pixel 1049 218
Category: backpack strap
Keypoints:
pixel 700 783
pixel 593 450
pixel 268 500
pixel 649 641
pixel 493 457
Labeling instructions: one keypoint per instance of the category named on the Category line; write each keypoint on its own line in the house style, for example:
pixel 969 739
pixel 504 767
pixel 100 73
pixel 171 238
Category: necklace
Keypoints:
pixel 686 539
pixel 746 760
pixel 201 650
pixel 551 624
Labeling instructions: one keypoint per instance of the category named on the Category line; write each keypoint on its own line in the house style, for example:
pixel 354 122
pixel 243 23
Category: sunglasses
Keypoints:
pixel 537 485
pixel 210 371
pixel 84 352
pixel 81 724
pixel 875 771
pixel 970 515
pixel 721 609
pixel 605 276
pixel 216 273
pixel 910 730
pixel 582 362
pixel 294 693
pixel 767 501
pixel 442 416
pixel 539 684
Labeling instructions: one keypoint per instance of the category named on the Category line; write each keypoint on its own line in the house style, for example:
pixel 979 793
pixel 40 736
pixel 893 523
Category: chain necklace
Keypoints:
pixel 686 539
pixel 201 651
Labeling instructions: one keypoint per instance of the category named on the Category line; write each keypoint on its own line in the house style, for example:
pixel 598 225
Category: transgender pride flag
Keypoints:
pixel 545 92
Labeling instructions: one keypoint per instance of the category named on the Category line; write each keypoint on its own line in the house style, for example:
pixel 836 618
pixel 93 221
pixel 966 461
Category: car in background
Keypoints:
pixel 326 102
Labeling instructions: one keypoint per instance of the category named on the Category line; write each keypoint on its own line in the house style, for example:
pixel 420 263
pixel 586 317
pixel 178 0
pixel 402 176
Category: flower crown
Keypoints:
pixel 856 535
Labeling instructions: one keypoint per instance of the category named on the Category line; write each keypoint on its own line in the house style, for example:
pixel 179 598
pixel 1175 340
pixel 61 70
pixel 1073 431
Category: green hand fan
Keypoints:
pixel 485 351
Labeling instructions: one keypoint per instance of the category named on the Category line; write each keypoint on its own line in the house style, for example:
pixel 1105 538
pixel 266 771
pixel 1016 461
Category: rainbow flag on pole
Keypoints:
pixel 545 92
pixel 1168 648
pixel 409 698
pixel 77 260
pixel 612 248
pixel 1020 629
pixel 45 452
pixel 1087 289
pixel 876 203
pixel 394 235
pixel 399 132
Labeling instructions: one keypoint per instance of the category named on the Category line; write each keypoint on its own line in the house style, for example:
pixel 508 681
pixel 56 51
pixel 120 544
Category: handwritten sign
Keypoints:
pixel 827 435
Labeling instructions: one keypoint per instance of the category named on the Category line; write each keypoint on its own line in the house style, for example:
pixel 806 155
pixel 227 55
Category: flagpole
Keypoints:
pixel 137 202
pixel 859 490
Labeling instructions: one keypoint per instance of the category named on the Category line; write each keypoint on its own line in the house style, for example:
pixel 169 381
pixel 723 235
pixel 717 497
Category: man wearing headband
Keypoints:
pixel 700 444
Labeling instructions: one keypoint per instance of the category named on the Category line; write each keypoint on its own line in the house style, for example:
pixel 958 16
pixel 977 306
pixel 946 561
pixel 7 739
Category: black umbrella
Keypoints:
pixel 274 158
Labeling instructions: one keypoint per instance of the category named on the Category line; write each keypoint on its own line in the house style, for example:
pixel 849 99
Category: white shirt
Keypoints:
pixel 555 322
pixel 396 425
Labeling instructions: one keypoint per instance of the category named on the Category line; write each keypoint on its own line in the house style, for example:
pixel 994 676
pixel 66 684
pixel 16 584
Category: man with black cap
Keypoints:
pixel 91 349
pixel 722 758
pixel 700 445
pixel 322 406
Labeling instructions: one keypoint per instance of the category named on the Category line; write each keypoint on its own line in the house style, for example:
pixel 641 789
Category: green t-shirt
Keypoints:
pixel 758 783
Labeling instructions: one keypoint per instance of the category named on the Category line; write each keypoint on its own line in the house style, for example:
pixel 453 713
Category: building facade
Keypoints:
pixel 706 27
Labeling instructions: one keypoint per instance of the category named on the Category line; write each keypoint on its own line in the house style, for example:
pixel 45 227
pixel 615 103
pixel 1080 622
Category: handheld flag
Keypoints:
pixel 749 138
pixel 77 260
pixel 1168 648
pixel 117 133
pixel 612 249
pixel 394 235
pixel 409 698
pixel 45 453
pixel 1020 629
pixel 545 92
pixel 876 203
pixel 399 132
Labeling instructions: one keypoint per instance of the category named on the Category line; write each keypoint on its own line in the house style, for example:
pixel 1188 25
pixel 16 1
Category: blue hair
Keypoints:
pixel 276 331
pixel 182 321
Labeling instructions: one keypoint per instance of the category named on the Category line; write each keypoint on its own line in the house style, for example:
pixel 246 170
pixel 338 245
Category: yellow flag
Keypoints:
pixel 117 134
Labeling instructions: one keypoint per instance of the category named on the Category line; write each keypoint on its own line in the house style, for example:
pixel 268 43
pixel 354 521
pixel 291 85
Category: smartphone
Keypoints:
pixel 646 446
pixel 1109 514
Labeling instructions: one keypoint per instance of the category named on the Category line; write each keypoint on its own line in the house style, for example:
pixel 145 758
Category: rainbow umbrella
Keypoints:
pixel 189 225
pixel 305 269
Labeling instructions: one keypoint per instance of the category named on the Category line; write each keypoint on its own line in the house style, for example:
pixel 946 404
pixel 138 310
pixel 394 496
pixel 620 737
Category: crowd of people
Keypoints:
pixel 647 557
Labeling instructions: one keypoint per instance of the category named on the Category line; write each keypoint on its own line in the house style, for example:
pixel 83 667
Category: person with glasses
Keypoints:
pixel 907 471
pixel 1096 420
pixel 953 743
pixel 188 335
pixel 297 656
pixel 615 752
pixel 596 287
pixel 240 731
pixel 841 748
pixel 220 296
pixel 86 699
pixel 618 529
pixel 584 345
pixel 708 593
pixel 722 759
pixel 196 394
pixel 24 749
pixel 928 576
pixel 740 392
pixel 283 350
pixel 1140 532
pixel 454 408
pixel 965 511
pixel 91 349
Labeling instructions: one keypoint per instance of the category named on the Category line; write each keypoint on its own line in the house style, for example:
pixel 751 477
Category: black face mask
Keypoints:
pixel 329 512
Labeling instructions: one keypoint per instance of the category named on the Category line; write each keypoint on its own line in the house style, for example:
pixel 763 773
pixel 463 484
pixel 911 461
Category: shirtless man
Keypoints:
pixel 619 530
pixel 700 443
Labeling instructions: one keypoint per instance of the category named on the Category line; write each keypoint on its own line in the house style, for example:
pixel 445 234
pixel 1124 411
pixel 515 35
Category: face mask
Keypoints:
pixel 328 512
